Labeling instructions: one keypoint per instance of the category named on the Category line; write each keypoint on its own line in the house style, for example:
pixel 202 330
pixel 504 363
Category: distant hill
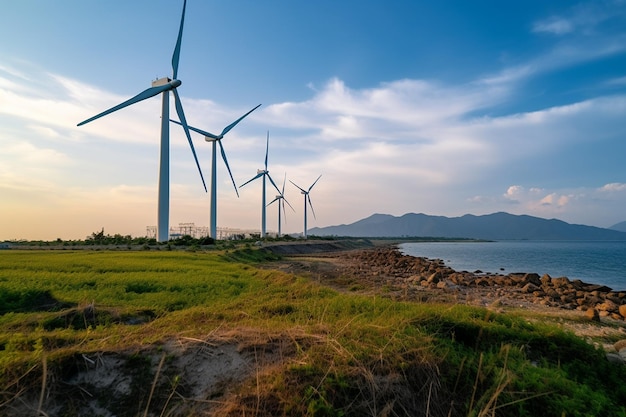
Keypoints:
pixel 620 227
pixel 496 226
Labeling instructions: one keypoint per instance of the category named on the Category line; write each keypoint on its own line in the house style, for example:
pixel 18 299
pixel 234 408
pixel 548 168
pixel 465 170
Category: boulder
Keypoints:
pixel 546 280
pixel 608 305
pixel 592 314
pixel 530 288
pixel 533 278
pixel 434 277
pixel 615 358
pixel 620 345
pixel 561 282
pixel 599 288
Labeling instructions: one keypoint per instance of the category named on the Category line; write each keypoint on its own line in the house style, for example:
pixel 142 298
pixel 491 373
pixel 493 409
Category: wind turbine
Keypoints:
pixel 263 173
pixel 163 86
pixel 209 137
pixel 281 202
pixel 306 197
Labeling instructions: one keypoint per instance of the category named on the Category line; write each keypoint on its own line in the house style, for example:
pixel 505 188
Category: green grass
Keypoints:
pixel 349 355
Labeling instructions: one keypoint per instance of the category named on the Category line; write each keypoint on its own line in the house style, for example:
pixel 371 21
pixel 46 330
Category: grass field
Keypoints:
pixel 329 353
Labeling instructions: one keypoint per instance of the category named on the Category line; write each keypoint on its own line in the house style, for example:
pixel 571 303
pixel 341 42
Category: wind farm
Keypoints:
pixel 280 201
pixel 164 86
pixel 263 174
pixel 209 137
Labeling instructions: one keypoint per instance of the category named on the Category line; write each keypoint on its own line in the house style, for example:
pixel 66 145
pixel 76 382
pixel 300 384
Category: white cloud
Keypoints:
pixel 621 81
pixel 554 25
pixel 555 200
pixel 582 17
pixel 613 187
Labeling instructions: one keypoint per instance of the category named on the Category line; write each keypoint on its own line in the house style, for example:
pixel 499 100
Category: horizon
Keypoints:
pixel 402 108
pixel 272 233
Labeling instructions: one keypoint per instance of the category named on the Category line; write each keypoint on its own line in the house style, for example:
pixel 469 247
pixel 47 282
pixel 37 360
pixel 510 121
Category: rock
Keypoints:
pixel 530 288
pixel 546 280
pixel 560 282
pixel 533 279
pixel 442 285
pixel 615 358
pixel 608 305
pixel 620 345
pixel 599 288
pixel 482 282
pixel 553 294
pixel 622 310
pixel 434 278
pixel 592 314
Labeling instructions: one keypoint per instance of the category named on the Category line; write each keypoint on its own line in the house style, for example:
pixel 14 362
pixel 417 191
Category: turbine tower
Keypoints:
pixel 209 137
pixel 263 173
pixel 163 86
pixel 281 202
pixel 306 197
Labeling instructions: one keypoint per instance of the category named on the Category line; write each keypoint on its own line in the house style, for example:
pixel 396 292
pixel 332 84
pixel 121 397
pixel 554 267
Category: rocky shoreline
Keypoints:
pixel 409 277
pixel 595 300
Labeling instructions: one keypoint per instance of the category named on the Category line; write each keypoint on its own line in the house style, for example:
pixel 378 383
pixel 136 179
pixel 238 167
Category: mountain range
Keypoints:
pixel 496 226
pixel 620 227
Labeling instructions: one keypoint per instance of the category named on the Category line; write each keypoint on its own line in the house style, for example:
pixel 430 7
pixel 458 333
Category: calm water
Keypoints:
pixel 591 261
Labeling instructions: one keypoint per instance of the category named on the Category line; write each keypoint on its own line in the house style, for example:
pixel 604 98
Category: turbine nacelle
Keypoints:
pixel 166 81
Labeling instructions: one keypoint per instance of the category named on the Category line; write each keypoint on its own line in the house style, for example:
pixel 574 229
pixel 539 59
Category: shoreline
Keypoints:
pixel 372 266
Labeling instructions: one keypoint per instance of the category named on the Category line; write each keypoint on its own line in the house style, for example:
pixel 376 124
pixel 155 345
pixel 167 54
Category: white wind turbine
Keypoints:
pixel 163 86
pixel 209 137
pixel 306 197
pixel 263 173
pixel 281 202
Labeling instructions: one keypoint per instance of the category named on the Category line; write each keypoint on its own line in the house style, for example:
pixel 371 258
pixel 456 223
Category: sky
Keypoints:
pixel 443 108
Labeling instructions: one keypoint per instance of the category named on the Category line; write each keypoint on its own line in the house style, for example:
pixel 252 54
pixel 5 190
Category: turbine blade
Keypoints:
pixel 285 200
pixel 272 181
pixel 284 181
pixel 284 212
pixel 318 178
pixel 233 124
pixel 267 148
pixel 195 129
pixel 227 167
pixel 181 116
pixel 277 198
pixel 150 92
pixel 311 205
pixel 251 179
pixel 176 55
pixel 297 186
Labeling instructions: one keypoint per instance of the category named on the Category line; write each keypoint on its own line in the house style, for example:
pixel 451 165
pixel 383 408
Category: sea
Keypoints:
pixel 594 262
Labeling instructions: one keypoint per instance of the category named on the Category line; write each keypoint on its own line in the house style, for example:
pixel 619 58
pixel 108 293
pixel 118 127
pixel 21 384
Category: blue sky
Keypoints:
pixel 444 108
